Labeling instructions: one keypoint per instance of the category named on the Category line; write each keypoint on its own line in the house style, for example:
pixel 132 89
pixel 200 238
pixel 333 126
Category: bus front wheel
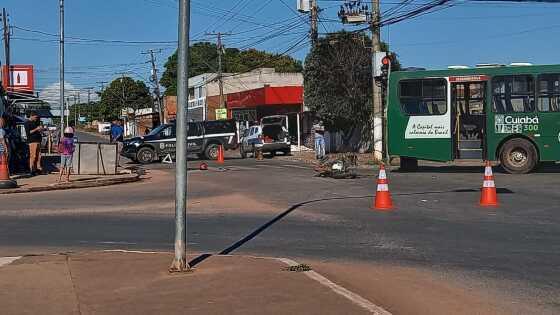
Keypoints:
pixel 518 156
pixel 408 164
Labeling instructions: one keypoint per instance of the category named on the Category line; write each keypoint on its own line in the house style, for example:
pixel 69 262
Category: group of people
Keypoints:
pixel 34 133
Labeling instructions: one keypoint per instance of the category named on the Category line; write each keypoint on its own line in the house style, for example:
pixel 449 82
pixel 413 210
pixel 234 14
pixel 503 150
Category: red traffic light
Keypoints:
pixel 386 61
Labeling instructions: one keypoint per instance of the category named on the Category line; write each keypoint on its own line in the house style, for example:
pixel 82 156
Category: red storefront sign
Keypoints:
pixel 22 78
pixel 266 96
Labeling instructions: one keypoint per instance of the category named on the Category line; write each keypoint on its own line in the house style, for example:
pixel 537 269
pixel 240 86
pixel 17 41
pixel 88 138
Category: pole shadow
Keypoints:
pixel 228 250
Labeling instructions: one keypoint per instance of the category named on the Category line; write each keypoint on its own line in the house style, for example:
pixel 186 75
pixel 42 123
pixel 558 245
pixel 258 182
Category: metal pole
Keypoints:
pixel 298 133
pixel 377 98
pixel 61 78
pixel 180 261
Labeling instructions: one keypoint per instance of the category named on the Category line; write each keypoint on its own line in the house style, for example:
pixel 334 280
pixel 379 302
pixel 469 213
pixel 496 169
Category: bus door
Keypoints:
pixel 468 105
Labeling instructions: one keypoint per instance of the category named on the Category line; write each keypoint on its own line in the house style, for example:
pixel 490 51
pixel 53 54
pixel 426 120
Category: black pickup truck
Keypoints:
pixel 203 139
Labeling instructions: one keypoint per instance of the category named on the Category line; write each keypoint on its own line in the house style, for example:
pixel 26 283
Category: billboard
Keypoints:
pixel 22 79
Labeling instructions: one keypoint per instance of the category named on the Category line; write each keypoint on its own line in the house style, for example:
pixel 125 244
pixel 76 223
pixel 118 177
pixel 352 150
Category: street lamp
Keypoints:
pixel 179 263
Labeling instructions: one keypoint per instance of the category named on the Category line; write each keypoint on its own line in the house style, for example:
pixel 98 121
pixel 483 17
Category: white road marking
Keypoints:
pixel 116 243
pixel 297 166
pixel 132 251
pixel 353 297
pixel 8 260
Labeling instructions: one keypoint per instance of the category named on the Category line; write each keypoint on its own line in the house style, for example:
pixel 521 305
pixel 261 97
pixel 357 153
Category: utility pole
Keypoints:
pixel 102 83
pixel 75 110
pixel 180 261
pixel 314 22
pixel 67 108
pixel 378 120
pixel 220 48
pixel 154 79
pixel 61 75
pixel 78 110
pixel 89 106
pixel 6 35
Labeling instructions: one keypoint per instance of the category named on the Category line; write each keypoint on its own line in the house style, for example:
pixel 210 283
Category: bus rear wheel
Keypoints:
pixel 408 164
pixel 518 156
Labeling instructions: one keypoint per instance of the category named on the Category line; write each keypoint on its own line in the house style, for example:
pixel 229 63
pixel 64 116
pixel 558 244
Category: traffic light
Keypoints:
pixel 385 67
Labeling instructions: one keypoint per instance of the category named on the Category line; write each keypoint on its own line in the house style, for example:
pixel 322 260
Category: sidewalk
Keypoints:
pixel 50 182
pixel 138 283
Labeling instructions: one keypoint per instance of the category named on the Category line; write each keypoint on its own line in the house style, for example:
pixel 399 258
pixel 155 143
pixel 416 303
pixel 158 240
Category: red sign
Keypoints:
pixel 266 96
pixel 22 79
pixel 469 78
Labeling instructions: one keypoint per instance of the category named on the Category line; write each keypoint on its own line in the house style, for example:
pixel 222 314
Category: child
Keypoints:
pixel 66 149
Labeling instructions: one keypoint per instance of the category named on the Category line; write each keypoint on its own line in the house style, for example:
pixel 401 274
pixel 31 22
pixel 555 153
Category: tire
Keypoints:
pixel 408 164
pixel 145 155
pixel 272 154
pixel 287 152
pixel 211 151
pixel 518 156
pixel 242 152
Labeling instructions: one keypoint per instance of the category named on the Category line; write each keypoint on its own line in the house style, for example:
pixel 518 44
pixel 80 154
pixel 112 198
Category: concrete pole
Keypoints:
pixel 377 93
pixel 314 22
pixel 61 75
pixel 180 261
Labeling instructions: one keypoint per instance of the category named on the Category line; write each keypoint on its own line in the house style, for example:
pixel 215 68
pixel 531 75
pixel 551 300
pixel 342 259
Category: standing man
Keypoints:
pixel 117 136
pixel 117 132
pixel 34 131
pixel 319 130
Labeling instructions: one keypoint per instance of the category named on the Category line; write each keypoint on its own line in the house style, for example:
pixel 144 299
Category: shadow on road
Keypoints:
pixel 262 228
pixel 544 168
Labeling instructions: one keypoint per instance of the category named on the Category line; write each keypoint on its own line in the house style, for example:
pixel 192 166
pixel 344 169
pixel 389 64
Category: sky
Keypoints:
pixel 106 38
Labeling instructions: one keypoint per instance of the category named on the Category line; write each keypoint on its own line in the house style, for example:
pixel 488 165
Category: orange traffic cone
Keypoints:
pixel 5 181
pixel 383 199
pixel 488 196
pixel 220 154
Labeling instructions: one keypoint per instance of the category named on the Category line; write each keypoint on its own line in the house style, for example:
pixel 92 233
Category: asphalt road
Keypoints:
pixel 277 208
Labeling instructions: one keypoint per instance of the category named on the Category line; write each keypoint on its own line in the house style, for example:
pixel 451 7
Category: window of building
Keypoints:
pixel 423 97
pixel 513 94
pixel 549 93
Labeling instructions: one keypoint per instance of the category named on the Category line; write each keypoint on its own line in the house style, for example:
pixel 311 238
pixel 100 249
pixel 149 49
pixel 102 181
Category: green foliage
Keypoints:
pixel 338 81
pixel 204 59
pixel 123 93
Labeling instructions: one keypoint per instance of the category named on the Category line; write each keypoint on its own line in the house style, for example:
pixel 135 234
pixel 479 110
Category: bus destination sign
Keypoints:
pixel 469 78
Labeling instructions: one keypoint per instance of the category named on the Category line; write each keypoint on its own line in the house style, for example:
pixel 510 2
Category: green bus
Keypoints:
pixel 500 113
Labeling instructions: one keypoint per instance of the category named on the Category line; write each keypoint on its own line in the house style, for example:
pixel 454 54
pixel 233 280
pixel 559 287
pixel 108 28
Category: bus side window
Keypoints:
pixel 549 92
pixel 423 97
pixel 513 94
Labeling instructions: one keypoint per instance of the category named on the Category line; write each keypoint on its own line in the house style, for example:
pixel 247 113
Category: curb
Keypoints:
pixel 76 185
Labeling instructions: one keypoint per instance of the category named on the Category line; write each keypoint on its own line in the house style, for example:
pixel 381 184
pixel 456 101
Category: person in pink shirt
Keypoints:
pixel 66 149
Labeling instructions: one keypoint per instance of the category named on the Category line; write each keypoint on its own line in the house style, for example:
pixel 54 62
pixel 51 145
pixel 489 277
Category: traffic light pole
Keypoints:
pixel 179 263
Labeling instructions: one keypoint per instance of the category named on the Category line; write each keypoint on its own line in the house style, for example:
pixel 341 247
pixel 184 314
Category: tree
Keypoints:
pixel 204 59
pixel 338 82
pixel 123 93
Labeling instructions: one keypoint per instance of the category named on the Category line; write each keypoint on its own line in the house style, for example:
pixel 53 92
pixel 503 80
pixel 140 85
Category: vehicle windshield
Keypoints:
pixel 157 130
pixel 273 120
